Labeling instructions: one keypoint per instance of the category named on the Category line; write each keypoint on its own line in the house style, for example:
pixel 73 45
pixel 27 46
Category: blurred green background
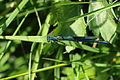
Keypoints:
pixel 60 60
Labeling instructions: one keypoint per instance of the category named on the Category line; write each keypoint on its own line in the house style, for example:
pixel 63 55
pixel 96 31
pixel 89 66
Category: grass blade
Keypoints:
pixel 12 16
pixel 26 38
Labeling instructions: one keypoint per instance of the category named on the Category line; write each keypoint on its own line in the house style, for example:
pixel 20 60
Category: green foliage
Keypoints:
pixel 99 21
pixel 25 53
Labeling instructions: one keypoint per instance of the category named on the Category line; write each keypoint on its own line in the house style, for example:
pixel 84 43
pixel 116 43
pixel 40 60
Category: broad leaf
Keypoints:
pixel 72 28
pixel 101 23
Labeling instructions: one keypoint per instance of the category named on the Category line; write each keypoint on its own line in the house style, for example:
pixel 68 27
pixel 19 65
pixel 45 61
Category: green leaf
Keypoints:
pixel 101 23
pixel 79 45
pixel 69 48
pixel 93 12
pixel 72 28
pixel 69 72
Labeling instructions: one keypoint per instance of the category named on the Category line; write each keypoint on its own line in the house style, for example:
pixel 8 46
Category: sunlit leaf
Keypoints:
pixel 72 28
pixel 101 23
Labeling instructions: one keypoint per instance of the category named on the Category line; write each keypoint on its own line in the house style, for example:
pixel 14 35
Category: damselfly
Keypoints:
pixel 79 39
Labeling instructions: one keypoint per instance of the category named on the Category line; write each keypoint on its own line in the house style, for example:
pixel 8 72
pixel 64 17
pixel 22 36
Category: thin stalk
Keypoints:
pixel 39 70
pixel 57 70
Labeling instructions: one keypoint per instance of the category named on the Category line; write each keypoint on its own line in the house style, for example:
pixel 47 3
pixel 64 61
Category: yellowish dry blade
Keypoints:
pixel 26 38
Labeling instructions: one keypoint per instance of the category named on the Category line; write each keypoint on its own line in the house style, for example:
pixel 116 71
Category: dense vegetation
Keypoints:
pixel 33 59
